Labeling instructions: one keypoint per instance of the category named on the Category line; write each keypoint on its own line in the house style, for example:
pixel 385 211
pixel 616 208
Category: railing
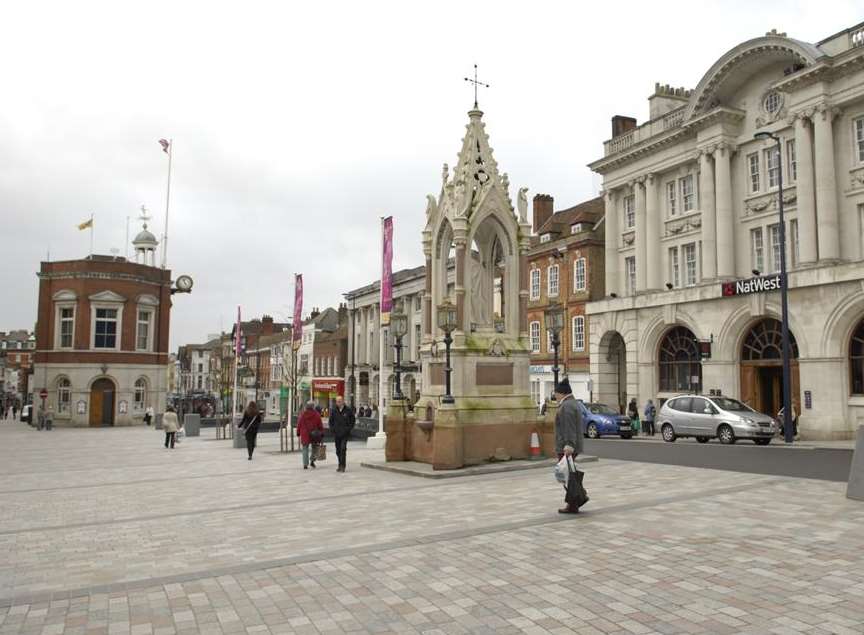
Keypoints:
pixel 670 120
pixel 856 38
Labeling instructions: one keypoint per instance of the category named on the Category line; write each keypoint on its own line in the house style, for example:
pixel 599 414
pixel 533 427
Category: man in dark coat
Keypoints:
pixel 568 420
pixel 341 423
pixel 568 433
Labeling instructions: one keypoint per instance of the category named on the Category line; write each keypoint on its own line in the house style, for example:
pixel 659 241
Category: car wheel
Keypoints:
pixel 668 433
pixel 592 431
pixel 761 441
pixel 702 439
pixel 726 435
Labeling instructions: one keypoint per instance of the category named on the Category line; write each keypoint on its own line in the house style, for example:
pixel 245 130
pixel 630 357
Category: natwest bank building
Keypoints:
pixel 693 242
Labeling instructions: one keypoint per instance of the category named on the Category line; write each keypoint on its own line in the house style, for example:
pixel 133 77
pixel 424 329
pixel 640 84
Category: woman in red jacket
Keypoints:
pixel 310 429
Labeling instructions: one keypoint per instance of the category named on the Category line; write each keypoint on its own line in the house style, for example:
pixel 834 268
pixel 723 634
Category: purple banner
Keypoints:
pixel 387 270
pixel 297 325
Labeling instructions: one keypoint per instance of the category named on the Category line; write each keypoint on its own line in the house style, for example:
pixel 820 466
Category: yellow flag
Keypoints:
pixel 86 224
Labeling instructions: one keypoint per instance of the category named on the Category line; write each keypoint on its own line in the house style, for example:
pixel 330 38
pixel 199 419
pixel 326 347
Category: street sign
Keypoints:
pixel 43 394
pixel 760 284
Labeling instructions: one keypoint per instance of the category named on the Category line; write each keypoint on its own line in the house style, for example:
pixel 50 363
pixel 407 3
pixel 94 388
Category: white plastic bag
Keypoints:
pixel 561 470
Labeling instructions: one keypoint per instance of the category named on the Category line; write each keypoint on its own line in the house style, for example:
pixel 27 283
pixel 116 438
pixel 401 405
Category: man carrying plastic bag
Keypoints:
pixel 568 445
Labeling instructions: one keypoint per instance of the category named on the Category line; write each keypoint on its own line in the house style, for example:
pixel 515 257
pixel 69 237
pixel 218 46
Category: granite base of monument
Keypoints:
pixel 855 488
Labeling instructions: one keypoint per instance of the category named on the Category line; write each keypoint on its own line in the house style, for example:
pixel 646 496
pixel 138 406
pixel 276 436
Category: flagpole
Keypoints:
pixel 381 381
pixel 167 205
pixel 236 366
pixel 91 236
pixel 127 239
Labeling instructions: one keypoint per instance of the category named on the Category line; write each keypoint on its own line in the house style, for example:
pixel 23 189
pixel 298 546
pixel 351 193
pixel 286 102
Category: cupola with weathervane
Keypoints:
pixel 145 242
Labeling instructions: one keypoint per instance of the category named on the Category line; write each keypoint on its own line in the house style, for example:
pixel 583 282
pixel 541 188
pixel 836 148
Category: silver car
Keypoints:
pixel 708 417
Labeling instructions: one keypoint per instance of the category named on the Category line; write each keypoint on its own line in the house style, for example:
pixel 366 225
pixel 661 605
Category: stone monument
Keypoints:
pixel 475 247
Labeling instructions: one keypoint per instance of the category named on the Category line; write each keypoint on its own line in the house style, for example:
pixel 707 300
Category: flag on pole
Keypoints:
pixel 387 270
pixel 297 325
pixel 86 224
pixel 165 145
pixel 237 334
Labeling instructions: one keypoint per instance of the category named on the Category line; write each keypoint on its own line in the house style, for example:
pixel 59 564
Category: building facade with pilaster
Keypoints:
pixel 693 238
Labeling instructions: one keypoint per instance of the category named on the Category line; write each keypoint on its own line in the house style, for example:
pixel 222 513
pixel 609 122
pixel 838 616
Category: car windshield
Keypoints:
pixel 731 405
pixel 600 409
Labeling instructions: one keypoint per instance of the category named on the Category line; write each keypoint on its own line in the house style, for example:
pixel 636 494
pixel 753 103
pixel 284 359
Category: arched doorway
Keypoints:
pixel 102 393
pixel 679 361
pixel 856 360
pixel 612 380
pixel 762 368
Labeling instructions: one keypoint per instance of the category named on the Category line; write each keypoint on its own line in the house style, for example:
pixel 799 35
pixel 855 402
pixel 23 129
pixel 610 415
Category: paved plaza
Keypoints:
pixel 105 531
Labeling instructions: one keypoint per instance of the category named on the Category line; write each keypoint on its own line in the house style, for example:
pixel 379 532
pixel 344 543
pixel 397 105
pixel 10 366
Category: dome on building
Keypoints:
pixel 145 238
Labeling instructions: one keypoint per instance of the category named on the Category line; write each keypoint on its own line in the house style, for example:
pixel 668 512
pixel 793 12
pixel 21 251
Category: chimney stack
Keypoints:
pixel 622 125
pixel 542 210
pixel 266 325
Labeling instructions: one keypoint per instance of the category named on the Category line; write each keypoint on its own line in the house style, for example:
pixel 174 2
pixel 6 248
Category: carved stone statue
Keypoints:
pixel 445 174
pixel 480 296
pixel 431 206
pixel 522 204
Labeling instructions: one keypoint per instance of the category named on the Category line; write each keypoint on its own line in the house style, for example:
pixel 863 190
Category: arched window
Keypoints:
pixel 856 359
pixel 765 341
pixel 140 394
pixel 680 363
pixel 64 395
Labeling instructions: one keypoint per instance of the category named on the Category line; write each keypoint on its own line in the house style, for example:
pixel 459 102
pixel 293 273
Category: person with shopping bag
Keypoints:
pixel 568 434
pixel 170 424
pixel 310 429
pixel 249 425
pixel 570 474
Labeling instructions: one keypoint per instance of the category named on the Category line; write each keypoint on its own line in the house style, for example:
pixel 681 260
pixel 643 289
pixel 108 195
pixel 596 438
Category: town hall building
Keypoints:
pixel 693 242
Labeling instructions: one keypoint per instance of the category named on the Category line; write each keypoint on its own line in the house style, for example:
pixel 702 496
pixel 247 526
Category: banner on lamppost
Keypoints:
pixel 297 326
pixel 386 269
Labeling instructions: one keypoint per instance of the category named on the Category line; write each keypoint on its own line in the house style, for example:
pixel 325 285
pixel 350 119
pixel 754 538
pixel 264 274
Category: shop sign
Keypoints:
pixel 760 284
pixel 331 385
pixel 540 370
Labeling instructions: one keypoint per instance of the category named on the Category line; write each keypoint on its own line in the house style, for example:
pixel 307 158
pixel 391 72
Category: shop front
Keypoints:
pixel 325 391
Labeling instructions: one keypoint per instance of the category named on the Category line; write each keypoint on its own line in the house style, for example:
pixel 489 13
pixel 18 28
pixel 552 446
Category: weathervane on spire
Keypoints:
pixel 144 217
pixel 476 84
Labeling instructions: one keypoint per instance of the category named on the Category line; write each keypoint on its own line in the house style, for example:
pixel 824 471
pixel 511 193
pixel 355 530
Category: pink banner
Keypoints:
pixel 387 271
pixel 297 325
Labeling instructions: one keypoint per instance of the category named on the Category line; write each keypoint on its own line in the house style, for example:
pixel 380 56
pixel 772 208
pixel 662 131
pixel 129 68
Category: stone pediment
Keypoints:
pixel 107 296
pixel 65 295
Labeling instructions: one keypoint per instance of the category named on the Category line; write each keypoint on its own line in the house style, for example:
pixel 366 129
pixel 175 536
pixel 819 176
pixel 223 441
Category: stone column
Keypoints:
pixel 641 237
pixel 707 203
pixel 461 318
pixel 826 184
pixel 612 233
pixel 805 188
pixel 725 217
pixel 523 295
pixel 428 322
pixel 652 235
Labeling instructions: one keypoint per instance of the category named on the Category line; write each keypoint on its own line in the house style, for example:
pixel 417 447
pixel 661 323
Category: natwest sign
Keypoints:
pixel 761 284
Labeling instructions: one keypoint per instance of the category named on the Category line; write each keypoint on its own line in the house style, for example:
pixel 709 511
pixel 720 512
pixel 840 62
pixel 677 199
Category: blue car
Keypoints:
pixel 599 419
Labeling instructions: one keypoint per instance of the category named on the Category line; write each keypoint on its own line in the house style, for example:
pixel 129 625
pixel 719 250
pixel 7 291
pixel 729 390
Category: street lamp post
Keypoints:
pixel 399 326
pixel 554 323
pixel 788 432
pixel 447 323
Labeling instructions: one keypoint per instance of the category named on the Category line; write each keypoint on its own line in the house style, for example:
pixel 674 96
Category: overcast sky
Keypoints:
pixel 296 125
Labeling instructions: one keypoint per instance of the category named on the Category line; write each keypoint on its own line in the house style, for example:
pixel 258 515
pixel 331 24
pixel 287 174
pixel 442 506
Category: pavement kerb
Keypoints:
pixel 399 467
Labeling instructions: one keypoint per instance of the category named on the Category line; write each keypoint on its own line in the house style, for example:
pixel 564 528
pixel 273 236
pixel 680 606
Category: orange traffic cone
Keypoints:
pixel 535 445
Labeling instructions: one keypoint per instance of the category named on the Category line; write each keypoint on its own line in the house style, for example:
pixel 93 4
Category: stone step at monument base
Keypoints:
pixel 425 470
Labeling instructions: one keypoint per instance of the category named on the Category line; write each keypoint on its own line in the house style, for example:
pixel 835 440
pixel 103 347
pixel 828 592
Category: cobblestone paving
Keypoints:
pixel 104 531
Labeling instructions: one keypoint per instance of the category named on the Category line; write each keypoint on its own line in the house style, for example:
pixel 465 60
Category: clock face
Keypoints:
pixel 184 283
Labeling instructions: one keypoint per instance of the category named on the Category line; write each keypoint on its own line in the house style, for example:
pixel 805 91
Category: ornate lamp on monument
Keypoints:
pixel 554 315
pixel 399 327
pixel 447 323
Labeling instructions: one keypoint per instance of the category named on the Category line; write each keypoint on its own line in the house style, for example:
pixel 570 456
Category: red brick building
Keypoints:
pixel 102 340
pixel 565 266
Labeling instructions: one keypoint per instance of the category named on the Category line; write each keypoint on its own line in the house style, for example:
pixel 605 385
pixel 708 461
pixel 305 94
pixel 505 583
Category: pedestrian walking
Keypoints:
pixel 568 434
pixel 649 413
pixel 633 412
pixel 310 429
pixel 148 415
pixel 170 424
pixel 341 423
pixel 49 418
pixel 250 424
pixel 14 412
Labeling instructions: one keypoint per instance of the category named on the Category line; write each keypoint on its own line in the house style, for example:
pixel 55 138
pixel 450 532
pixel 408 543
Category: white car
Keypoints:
pixel 709 417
